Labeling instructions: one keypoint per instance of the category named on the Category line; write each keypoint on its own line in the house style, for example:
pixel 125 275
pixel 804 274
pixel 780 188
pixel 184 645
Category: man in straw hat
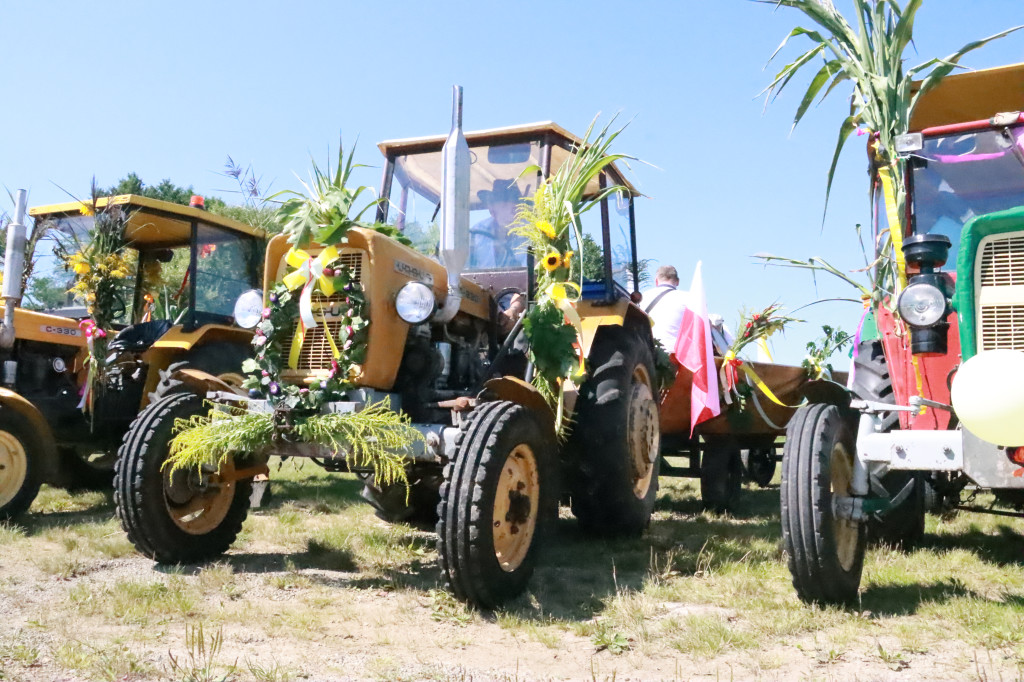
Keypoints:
pixel 491 246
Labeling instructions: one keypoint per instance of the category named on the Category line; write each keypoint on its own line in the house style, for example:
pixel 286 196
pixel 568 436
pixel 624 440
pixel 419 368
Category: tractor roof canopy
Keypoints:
pixel 152 223
pixel 509 150
pixel 970 96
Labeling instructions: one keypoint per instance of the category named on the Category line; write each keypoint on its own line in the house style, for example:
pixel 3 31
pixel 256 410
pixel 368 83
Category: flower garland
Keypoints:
pixel 288 309
pixel 757 328
pixel 101 263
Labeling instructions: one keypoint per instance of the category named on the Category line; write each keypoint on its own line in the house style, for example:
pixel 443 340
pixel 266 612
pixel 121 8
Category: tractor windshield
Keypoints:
pixel 495 192
pixel 962 175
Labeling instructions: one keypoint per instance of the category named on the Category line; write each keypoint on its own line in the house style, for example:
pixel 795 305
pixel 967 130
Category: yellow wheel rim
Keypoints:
pixel 197 501
pixel 845 531
pixel 13 467
pixel 515 508
pixel 643 431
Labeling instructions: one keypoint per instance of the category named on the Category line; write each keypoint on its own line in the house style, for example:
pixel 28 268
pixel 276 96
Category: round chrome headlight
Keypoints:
pixel 249 309
pixel 922 305
pixel 415 302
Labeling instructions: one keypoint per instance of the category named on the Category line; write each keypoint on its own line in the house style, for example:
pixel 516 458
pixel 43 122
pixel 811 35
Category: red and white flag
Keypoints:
pixel 694 352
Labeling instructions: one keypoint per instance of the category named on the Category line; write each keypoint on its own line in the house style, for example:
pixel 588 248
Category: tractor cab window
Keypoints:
pixel 227 265
pixel 960 176
pixel 495 193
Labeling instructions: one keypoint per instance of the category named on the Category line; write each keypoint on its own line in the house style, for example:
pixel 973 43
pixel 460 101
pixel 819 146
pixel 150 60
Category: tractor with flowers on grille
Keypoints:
pixel 152 278
pixel 472 372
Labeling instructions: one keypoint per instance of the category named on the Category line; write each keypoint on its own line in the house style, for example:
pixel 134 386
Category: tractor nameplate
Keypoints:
pixel 413 272
pixel 61 331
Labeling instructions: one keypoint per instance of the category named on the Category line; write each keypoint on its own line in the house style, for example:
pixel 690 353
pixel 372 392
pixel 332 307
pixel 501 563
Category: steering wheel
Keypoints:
pixel 505 296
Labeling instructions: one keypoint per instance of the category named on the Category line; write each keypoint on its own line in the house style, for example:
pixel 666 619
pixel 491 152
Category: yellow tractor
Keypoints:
pixel 167 341
pixel 441 346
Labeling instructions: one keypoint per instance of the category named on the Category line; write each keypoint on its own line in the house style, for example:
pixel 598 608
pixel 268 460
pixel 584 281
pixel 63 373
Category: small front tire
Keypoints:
pixel 184 517
pixel 21 472
pixel 496 502
pixel 826 553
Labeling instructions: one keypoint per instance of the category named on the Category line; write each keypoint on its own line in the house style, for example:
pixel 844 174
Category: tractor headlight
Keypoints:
pixel 415 302
pixel 922 305
pixel 249 309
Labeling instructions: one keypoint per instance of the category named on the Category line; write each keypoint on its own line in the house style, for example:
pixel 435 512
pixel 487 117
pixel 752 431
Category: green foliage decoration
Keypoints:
pixel 871 59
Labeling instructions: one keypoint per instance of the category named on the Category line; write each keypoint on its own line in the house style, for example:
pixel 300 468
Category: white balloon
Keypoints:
pixel 988 396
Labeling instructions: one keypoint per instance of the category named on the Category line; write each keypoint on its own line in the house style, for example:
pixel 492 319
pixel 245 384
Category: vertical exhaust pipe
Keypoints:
pixel 14 266
pixel 454 209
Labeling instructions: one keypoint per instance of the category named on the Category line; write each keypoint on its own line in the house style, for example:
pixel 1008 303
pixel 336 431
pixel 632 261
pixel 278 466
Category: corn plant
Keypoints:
pixel 871 60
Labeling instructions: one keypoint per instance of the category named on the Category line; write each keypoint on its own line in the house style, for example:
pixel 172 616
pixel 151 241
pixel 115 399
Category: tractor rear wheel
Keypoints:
pixel 826 551
pixel 21 472
pixel 903 525
pixel 496 501
pixel 615 441
pixel 179 517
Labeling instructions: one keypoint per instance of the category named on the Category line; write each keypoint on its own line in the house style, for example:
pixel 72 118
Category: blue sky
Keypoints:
pixel 169 90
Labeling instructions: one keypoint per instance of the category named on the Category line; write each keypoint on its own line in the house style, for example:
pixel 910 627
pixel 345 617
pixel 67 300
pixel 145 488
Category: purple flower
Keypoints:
pixel 348 287
pixel 323 384
pixel 273 298
pixel 274 388
pixel 266 313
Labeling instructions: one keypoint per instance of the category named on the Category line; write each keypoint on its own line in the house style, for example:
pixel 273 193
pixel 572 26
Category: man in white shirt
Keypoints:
pixel 665 304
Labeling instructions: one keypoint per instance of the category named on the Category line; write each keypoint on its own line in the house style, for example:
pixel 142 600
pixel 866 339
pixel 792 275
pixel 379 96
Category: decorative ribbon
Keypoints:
pixel 308 273
pixel 728 374
pixel 91 332
pixel 148 298
pixel 856 340
pixel 895 224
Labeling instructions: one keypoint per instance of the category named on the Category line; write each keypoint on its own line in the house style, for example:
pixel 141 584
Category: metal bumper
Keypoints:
pixel 956 450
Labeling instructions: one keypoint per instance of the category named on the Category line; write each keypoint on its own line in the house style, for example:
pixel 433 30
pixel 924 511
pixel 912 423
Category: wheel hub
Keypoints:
pixel 643 432
pixel 198 501
pixel 845 529
pixel 515 508
pixel 13 467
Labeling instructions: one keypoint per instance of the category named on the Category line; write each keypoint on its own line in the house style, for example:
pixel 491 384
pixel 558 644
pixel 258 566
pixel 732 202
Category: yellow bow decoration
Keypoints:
pixel 308 273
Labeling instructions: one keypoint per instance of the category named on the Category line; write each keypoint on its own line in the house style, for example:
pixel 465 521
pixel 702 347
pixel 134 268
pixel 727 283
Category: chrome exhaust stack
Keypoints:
pixel 14 266
pixel 454 209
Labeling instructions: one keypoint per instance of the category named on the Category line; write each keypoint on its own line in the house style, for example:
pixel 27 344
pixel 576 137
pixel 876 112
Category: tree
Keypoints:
pixel 165 190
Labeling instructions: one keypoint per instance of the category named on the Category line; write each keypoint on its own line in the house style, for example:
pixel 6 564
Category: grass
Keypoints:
pixel 316 569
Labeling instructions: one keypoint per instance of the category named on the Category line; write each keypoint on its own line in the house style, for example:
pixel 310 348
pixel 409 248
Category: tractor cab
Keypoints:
pixel 190 265
pixel 506 167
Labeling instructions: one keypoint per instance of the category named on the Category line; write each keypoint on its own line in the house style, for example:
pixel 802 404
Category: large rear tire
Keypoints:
pixel 181 518
pixel 21 472
pixel 902 526
pixel 616 438
pixel 826 553
pixel 497 500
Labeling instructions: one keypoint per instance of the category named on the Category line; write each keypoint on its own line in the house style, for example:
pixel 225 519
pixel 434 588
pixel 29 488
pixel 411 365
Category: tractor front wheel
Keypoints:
pixel 175 517
pixel 496 501
pixel 825 545
pixel 21 473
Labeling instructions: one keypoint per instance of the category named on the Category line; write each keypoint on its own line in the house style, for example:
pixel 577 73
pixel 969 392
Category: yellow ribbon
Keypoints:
pixel 895 224
pixel 309 273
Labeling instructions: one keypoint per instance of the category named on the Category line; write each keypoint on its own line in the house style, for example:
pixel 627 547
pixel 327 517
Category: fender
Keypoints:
pixel 48 445
pixel 518 391
pixel 202 383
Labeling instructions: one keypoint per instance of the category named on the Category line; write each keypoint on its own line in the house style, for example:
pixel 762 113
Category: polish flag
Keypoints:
pixel 694 352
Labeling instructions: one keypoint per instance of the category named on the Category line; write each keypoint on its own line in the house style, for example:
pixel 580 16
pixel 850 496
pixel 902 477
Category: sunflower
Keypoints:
pixel 567 258
pixel 552 261
pixel 546 228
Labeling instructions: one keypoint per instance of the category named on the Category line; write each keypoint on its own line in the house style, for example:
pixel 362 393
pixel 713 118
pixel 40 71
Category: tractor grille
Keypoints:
pixel 1002 262
pixel 316 352
pixel 1001 293
pixel 1002 326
